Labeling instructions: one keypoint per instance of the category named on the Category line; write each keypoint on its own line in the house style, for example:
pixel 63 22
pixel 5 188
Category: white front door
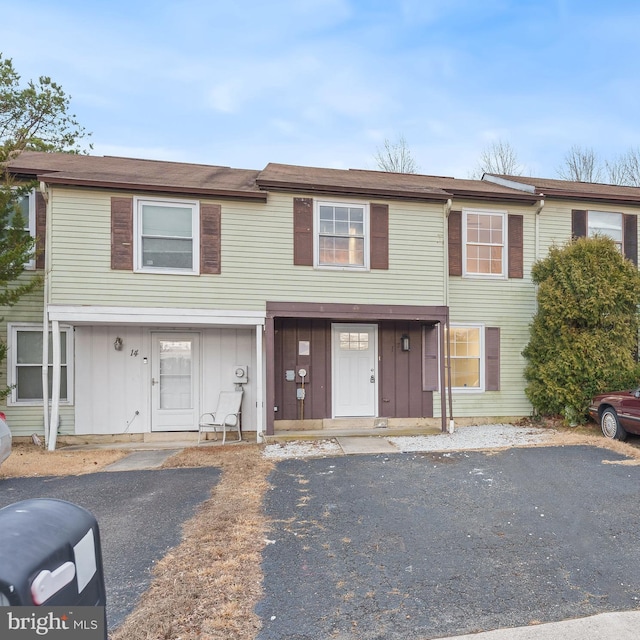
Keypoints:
pixel 175 381
pixel 355 371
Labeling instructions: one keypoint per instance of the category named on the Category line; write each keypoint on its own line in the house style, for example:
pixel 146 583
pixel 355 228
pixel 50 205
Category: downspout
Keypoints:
pixel 45 324
pixel 55 387
pixel 445 333
pixel 538 211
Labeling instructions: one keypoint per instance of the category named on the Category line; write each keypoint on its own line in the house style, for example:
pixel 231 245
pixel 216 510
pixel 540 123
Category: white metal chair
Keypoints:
pixel 225 418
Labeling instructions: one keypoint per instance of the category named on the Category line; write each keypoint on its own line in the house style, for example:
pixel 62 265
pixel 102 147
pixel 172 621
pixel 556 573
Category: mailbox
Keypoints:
pixel 50 555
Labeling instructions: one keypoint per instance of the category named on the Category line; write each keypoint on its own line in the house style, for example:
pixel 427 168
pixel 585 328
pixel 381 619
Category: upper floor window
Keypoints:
pixel 167 236
pixel 26 208
pixel 484 243
pixel 607 224
pixel 342 235
pixel 25 363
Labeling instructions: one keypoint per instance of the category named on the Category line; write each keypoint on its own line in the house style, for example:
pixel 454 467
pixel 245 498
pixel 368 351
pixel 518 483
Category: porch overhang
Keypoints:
pixel 341 312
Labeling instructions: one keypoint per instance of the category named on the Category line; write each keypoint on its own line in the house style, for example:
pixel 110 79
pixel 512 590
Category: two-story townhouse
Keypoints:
pixel 332 297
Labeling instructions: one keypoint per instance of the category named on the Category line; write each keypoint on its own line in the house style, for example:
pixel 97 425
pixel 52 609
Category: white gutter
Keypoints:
pixel 45 325
pixel 55 390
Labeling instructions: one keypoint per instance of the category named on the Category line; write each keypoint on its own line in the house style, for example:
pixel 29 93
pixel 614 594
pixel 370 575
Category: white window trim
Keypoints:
pixel 31 226
pixel 12 330
pixel 316 235
pixel 505 248
pixel 137 230
pixel 483 357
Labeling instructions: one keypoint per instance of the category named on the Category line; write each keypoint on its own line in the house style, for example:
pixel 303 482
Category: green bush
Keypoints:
pixel 584 336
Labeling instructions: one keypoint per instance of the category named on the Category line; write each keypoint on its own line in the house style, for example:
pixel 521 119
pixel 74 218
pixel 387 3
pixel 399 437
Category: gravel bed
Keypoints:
pixel 488 436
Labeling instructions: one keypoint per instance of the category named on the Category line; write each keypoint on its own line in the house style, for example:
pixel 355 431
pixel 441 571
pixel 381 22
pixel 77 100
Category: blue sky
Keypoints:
pixel 323 82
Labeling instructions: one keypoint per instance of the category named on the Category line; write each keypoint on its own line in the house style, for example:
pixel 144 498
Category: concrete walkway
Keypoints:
pixel 139 460
pixel 605 626
pixel 352 445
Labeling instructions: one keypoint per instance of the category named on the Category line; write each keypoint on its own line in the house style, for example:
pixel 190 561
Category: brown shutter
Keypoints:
pixel 455 243
pixel 578 224
pixel 122 233
pixel 303 231
pixel 631 237
pixel 379 236
pixel 492 358
pixel 41 230
pixel 431 370
pixel 210 232
pixel 516 252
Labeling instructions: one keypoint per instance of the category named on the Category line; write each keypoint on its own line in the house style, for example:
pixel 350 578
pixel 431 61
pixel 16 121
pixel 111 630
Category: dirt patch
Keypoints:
pixel 30 460
pixel 208 586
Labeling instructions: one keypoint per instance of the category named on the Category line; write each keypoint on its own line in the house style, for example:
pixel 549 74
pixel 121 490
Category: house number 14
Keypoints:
pixel 134 353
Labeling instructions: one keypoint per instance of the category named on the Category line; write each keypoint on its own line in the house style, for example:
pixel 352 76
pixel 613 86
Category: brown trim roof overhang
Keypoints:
pixel 62 179
pixel 342 190
pixel 341 311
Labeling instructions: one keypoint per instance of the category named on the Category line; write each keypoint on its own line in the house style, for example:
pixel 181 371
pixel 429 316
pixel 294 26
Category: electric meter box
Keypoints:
pixel 50 555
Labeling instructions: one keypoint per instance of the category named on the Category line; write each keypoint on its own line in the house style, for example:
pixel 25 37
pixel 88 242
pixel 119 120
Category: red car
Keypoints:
pixel 617 413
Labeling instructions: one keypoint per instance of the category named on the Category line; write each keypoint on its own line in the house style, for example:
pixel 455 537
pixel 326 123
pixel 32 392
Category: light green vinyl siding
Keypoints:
pixel 257 260
pixel 508 304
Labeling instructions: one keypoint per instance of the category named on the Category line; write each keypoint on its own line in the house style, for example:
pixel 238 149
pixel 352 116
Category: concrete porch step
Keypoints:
pixel 368 432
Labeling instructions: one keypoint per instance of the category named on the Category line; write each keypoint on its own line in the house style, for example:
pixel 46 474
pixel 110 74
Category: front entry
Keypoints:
pixel 354 370
pixel 175 381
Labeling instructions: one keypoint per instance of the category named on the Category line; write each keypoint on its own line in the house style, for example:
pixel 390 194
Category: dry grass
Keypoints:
pixel 30 460
pixel 207 587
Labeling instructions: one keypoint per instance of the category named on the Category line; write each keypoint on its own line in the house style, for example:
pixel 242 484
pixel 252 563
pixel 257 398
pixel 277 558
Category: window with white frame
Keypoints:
pixel 342 235
pixel 484 243
pixel 467 361
pixel 26 207
pixel 25 363
pixel 604 223
pixel 167 236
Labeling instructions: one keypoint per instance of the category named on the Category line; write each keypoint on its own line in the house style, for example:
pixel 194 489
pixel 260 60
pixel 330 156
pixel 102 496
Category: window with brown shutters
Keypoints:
pixel 339 231
pixel 621 227
pixel 170 247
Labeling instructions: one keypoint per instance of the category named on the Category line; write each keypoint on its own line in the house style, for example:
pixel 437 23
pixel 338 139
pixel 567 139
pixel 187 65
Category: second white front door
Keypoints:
pixel 175 381
pixel 355 371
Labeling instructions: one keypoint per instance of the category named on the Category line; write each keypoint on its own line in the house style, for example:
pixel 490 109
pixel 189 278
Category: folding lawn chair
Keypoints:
pixel 225 418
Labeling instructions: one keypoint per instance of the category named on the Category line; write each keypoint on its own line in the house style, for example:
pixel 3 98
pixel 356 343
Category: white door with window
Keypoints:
pixel 355 370
pixel 175 381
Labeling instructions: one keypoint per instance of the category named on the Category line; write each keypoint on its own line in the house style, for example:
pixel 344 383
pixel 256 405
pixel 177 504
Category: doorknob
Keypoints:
pixel 153 381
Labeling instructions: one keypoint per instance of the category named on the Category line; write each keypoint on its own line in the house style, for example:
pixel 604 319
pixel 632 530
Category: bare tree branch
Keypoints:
pixel 500 158
pixel 581 165
pixel 396 157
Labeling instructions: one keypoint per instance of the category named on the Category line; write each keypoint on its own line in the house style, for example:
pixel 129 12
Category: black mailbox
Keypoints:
pixel 50 555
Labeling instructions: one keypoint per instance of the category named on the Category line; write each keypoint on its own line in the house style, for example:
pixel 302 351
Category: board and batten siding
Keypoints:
pixel 257 260
pixel 111 386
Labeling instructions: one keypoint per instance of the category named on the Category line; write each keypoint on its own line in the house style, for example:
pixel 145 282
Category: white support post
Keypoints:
pixel 55 391
pixel 259 385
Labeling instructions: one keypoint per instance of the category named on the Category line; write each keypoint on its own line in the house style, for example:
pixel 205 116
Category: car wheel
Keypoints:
pixel 611 427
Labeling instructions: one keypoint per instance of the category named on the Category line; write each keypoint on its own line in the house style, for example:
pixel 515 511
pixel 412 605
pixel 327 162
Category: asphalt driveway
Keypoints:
pixel 430 545
pixel 139 513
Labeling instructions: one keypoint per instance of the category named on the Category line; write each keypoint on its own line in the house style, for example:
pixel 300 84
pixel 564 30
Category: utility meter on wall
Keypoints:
pixel 241 374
